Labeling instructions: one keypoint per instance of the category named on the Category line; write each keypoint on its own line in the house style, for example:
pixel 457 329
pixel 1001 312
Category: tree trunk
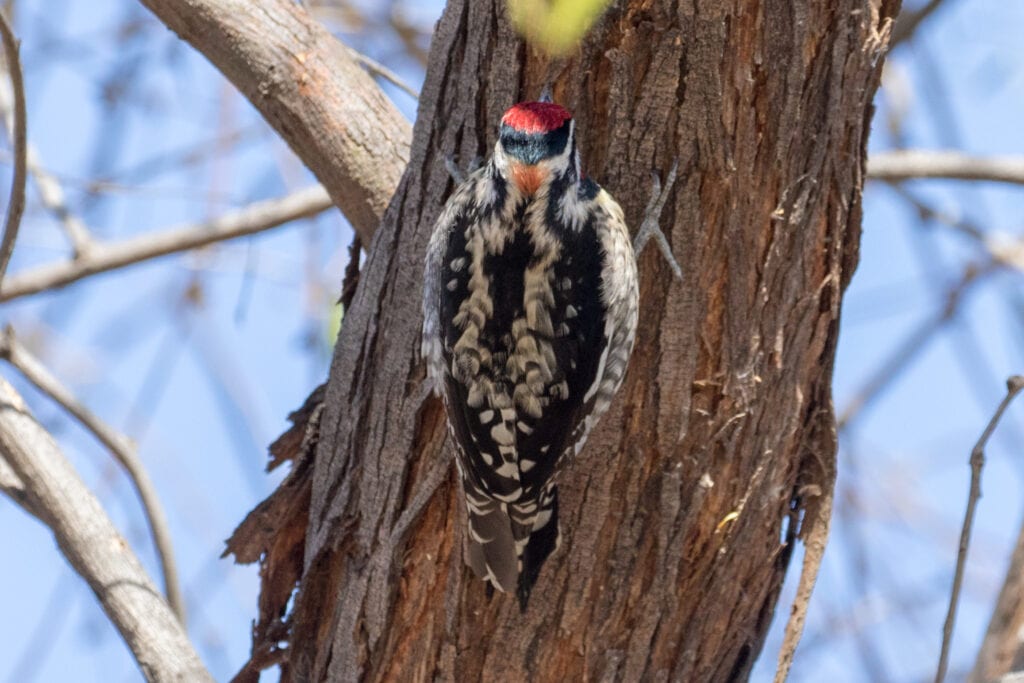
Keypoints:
pixel 679 516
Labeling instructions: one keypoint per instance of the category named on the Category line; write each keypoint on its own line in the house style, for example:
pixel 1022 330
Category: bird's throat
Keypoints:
pixel 527 178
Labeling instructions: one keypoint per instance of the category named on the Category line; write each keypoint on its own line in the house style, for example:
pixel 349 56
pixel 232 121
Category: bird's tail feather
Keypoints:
pixel 492 548
pixel 508 543
pixel 543 539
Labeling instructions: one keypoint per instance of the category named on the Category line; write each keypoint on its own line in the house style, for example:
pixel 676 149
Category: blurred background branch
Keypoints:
pixel 15 354
pixel 1014 385
pixel 350 135
pixel 94 547
pixel 103 257
pixel 16 200
pixel 908 164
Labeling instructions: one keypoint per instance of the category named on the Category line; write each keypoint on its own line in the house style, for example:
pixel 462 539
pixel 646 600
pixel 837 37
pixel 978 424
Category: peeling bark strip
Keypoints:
pixel 675 514
pixel 274 533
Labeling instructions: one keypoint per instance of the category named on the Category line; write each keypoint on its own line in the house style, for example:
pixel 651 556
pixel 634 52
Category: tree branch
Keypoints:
pixel 1014 385
pixel 16 204
pixel 312 91
pixel 122 450
pixel 101 257
pixel 378 69
pixel 94 547
pixel 910 164
pixel 51 195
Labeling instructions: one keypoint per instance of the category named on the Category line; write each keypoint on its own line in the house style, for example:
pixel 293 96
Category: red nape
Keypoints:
pixel 536 117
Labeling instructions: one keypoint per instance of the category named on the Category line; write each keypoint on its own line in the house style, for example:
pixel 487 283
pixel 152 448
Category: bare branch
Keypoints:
pixel 51 194
pixel 307 86
pixel 378 69
pixel 910 164
pixel 34 371
pixel 94 547
pixel 908 22
pixel 1004 250
pixel 1014 385
pixel 16 204
pixel 102 257
pixel 928 213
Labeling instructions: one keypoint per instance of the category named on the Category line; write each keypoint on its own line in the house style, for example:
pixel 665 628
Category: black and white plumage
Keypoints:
pixel 530 310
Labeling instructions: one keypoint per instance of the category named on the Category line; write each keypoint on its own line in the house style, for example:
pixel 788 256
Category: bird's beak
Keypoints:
pixel 527 177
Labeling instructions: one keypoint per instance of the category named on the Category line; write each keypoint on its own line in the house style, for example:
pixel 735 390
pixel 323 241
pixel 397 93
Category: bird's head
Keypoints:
pixel 536 143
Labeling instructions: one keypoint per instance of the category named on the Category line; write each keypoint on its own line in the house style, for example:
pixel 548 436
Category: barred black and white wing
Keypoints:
pixel 620 303
pixel 459 207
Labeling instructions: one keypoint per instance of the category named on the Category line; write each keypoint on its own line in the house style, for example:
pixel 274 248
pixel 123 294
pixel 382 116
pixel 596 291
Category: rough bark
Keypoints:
pixel 679 517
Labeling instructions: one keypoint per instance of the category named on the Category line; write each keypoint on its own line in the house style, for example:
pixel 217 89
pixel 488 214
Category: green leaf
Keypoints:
pixel 555 26
pixel 333 327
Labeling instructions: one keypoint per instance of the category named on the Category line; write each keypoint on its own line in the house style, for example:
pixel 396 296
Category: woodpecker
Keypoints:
pixel 530 310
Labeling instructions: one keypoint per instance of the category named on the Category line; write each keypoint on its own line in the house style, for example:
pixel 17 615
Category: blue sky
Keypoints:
pixel 205 383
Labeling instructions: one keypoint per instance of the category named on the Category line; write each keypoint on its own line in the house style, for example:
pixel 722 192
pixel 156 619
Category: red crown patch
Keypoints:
pixel 536 117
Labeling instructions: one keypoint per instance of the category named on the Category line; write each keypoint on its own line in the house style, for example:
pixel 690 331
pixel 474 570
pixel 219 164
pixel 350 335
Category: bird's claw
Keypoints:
pixel 650 227
pixel 455 172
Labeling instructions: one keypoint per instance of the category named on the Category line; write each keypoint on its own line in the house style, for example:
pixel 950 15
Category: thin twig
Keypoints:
pixel 187 155
pixel 103 257
pixel 908 350
pixel 16 205
pixel 51 192
pixel 93 546
pixel 51 195
pixel 378 69
pixel 411 37
pixel 1014 385
pixel 34 371
pixel 918 163
pixel 928 213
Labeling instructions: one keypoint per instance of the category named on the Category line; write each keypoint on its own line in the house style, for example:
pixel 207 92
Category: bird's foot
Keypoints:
pixel 652 214
pixel 456 173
